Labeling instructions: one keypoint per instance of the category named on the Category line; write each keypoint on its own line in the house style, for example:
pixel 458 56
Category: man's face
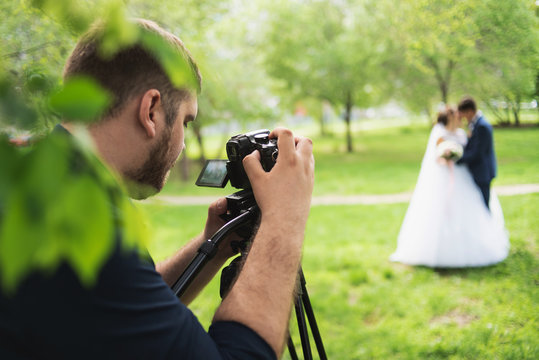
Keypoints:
pixel 153 175
pixel 467 114
pixel 186 113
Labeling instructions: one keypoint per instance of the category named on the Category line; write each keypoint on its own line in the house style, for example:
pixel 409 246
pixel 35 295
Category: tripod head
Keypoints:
pixel 237 204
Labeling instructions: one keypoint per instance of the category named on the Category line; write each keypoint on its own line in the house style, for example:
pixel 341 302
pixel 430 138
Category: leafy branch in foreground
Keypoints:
pixel 58 203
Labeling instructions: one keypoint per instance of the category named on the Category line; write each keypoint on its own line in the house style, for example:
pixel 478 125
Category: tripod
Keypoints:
pixel 241 216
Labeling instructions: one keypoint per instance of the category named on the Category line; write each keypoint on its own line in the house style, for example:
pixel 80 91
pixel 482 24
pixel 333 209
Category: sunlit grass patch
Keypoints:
pixel 368 307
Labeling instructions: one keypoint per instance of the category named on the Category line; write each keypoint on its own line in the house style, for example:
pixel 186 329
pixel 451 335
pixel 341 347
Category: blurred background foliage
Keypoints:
pixel 259 60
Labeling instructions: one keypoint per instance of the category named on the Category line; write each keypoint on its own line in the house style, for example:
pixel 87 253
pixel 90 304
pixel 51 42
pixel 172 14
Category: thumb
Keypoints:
pixel 218 207
pixel 251 164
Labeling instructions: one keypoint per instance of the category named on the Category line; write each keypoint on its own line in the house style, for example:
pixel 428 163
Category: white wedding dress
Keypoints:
pixel 447 223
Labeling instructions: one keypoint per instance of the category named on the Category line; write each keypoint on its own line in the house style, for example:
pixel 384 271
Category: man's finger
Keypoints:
pixel 285 142
pixel 304 146
pixel 251 164
pixel 218 207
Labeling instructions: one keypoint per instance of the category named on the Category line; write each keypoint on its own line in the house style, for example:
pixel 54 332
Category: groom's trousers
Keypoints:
pixel 485 191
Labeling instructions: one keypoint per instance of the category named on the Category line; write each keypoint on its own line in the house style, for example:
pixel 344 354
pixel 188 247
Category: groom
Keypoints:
pixel 479 152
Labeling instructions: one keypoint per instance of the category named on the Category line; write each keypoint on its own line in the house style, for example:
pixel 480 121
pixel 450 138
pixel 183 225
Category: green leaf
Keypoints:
pixel 175 65
pixel 53 208
pixel 14 111
pixel 21 236
pixel 118 31
pixel 136 229
pixel 81 222
pixel 81 99
pixel 76 14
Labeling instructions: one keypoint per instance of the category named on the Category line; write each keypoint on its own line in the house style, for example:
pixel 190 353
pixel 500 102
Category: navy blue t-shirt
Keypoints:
pixel 129 314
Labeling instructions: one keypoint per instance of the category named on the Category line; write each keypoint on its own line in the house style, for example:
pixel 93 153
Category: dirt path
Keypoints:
pixel 360 199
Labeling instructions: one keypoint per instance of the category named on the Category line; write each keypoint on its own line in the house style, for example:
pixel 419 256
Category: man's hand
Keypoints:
pixel 284 194
pixel 262 296
pixel 214 223
pixel 173 267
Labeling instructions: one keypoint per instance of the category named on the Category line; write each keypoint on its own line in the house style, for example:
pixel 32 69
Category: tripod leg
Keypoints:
pixel 291 348
pixel 302 327
pixel 312 321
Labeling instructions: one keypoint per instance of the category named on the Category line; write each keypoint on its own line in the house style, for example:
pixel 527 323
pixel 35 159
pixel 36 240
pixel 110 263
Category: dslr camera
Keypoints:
pixel 216 173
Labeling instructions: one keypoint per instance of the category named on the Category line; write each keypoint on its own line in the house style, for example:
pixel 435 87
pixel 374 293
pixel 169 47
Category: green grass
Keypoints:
pixel 388 161
pixel 368 307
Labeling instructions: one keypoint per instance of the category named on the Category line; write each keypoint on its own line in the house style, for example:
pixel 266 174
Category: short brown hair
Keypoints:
pixel 467 103
pixel 131 70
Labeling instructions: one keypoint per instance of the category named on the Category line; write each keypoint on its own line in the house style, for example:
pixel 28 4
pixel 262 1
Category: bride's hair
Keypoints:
pixel 444 115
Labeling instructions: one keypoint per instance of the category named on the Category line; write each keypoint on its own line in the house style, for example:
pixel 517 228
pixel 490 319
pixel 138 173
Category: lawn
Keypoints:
pixel 368 307
pixel 388 161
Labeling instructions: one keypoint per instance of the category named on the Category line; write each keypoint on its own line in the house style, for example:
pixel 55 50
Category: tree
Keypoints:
pixel 327 50
pixel 437 37
pixel 488 48
pixel 33 64
pixel 509 55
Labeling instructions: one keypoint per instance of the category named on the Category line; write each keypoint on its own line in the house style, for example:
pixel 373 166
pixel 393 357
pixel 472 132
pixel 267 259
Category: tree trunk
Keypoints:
pixel 347 119
pixel 200 141
pixel 181 169
pixel 444 89
pixel 508 111
pixel 324 117
pixel 322 125
pixel 184 167
pixel 516 111
pixel 444 80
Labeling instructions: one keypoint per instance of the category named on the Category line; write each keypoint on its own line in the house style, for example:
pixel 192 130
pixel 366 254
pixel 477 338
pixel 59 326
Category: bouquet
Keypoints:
pixel 449 150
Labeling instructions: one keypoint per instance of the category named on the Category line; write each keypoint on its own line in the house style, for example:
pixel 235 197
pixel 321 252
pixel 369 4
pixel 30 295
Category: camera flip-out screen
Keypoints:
pixel 214 174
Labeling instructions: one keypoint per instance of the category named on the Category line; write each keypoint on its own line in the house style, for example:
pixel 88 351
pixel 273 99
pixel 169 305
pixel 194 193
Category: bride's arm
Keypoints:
pixel 440 140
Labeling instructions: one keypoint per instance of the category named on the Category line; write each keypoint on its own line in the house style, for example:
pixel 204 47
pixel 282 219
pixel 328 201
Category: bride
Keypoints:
pixel 447 223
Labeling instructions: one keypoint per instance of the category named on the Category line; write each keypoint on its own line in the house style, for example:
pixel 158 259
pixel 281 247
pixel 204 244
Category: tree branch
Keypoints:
pixel 436 68
pixel 29 50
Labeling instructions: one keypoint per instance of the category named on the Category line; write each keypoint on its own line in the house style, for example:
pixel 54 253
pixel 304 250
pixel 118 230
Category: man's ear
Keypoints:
pixel 150 106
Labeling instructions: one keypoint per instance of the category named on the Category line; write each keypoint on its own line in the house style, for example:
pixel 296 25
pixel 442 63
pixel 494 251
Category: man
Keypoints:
pixel 479 151
pixel 131 313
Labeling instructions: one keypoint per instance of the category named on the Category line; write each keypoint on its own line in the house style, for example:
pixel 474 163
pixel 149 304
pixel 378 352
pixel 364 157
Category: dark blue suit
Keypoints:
pixel 479 156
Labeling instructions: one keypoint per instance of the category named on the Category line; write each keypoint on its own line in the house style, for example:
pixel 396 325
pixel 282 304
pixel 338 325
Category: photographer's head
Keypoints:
pixel 141 134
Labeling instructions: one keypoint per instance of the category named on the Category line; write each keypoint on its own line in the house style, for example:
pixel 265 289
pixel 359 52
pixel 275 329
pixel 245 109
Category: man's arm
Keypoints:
pixel 171 268
pixel 261 297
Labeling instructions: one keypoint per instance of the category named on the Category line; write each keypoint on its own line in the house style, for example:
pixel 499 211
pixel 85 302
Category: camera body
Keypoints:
pixel 242 145
pixel 216 173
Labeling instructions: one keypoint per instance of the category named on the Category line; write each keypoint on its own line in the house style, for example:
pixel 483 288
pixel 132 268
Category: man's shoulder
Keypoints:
pixel 484 123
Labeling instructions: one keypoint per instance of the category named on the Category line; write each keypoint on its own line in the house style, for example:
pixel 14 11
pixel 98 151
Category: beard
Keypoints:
pixel 152 176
